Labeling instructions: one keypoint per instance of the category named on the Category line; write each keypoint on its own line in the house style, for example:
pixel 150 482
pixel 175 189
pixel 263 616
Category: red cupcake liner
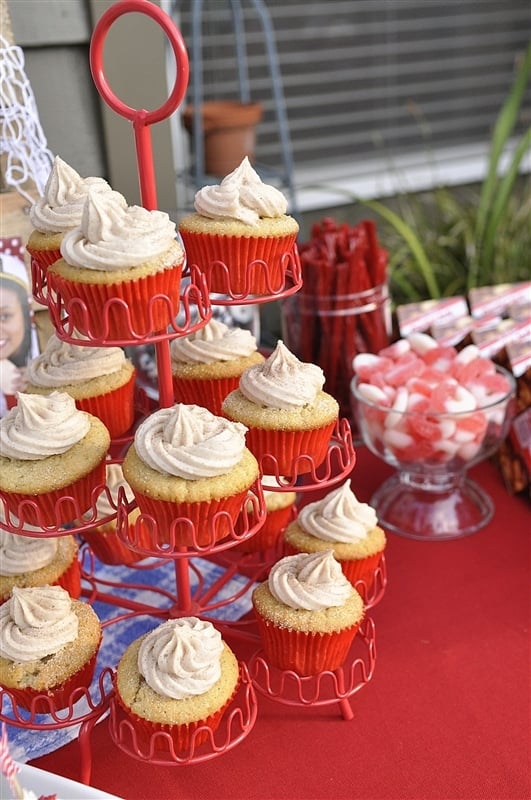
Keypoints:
pixel 199 524
pixel 121 310
pixel 268 535
pixel 116 409
pixel 109 548
pixel 39 263
pixel 183 736
pixel 304 653
pixel 209 393
pixel 240 264
pixel 57 697
pixel 56 508
pixel 283 449
pixel 70 580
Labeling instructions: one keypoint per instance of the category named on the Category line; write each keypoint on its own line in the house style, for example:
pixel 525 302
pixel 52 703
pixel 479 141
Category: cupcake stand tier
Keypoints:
pixel 334 688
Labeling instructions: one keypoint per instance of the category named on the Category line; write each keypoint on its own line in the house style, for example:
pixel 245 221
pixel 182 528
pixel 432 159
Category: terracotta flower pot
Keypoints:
pixel 229 133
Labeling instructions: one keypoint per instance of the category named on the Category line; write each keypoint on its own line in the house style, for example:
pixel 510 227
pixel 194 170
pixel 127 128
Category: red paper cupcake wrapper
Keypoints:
pixel 70 580
pixel 268 535
pixel 207 393
pixel 182 736
pixel 97 310
pixel 115 409
pixel 283 449
pixel 58 697
pixel 109 548
pixel 236 274
pixel 304 653
pixel 40 261
pixel 203 530
pixel 50 508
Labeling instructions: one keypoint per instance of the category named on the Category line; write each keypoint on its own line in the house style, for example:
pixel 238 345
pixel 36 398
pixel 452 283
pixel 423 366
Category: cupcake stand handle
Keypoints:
pixel 142 120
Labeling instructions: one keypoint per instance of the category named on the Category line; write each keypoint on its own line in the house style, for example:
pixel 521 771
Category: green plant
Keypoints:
pixel 446 242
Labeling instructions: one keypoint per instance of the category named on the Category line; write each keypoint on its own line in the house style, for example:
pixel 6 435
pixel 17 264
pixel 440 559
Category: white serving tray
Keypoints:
pixel 45 783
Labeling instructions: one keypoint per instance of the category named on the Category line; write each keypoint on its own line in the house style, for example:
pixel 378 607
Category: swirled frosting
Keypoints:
pixel 20 554
pixel 241 195
pixel 42 425
pixel 36 622
pixel 114 481
pixel 63 363
pixel 282 381
pixel 309 581
pixel 61 205
pixel 190 442
pixel 338 517
pixel 181 658
pixel 214 342
pixel 112 236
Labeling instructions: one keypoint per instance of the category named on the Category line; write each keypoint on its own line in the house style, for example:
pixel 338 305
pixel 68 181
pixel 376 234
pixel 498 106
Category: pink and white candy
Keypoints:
pixel 430 401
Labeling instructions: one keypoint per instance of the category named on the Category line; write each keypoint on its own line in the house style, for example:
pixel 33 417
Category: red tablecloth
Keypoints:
pixel 445 716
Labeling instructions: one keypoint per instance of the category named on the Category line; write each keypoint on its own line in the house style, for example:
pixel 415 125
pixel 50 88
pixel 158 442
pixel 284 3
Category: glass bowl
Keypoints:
pixel 430 496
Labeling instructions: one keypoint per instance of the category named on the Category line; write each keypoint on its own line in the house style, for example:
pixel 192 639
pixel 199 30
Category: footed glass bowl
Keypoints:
pixel 431 497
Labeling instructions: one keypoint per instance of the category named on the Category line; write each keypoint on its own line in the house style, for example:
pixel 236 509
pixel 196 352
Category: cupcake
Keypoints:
pixel 103 539
pixel 240 235
pixel 289 418
pixel 56 212
pixel 120 272
pixel 49 642
pixel 339 522
pixel 100 379
pixel 191 472
pixel 177 679
pixel 38 561
pixel 279 506
pixel 52 458
pixel 307 613
pixel 207 364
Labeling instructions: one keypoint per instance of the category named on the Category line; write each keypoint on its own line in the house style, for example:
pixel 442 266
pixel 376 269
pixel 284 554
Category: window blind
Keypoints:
pixel 369 81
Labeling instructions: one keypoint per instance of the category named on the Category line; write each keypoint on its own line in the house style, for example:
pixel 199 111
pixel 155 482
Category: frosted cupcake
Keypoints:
pixel 191 472
pixel 103 539
pixel 38 561
pixel 289 418
pixel 58 210
pixel 52 459
pixel 307 613
pixel 48 646
pixel 120 271
pixel 207 364
pixel 341 523
pixel 240 236
pixel 179 679
pixel 100 379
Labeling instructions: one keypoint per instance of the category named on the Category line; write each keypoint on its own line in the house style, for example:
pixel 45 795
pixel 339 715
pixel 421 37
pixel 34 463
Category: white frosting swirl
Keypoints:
pixel 241 195
pixel 36 622
pixel 112 236
pixel 181 658
pixel 20 554
pixel 309 581
pixel 215 341
pixel 42 425
pixel 63 363
pixel 61 206
pixel 282 381
pixel 338 517
pixel 190 442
